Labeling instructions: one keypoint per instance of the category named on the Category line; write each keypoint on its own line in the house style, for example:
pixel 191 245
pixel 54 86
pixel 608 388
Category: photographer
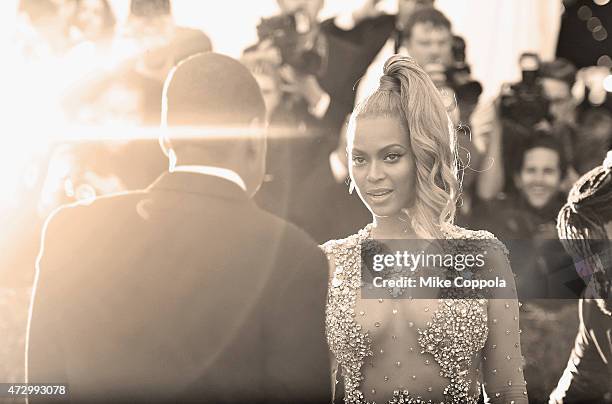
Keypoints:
pixel 299 185
pixel 317 67
pixel 427 37
pixel 541 100
pixel 378 34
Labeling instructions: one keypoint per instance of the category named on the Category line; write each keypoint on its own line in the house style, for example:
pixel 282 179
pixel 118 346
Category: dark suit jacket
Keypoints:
pixel 184 291
pixel 349 54
pixel 588 375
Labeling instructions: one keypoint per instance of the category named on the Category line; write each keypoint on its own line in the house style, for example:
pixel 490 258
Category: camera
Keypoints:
pixel 458 74
pixel 524 102
pixel 285 31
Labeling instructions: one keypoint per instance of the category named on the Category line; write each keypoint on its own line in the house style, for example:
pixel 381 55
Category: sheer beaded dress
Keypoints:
pixel 414 350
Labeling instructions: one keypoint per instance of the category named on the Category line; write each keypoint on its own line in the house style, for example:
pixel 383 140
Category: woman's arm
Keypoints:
pixel 502 358
pixel 334 365
pixel 488 130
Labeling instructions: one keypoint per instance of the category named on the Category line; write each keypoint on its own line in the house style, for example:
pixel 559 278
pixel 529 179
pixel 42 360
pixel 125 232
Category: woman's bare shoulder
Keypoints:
pixel 485 239
pixel 333 246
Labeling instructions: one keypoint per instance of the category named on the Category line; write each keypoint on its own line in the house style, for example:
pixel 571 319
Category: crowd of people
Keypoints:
pixel 516 157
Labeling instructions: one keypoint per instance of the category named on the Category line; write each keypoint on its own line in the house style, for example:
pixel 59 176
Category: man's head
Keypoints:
pixel 150 19
pixel 427 37
pixel 150 8
pixel 311 8
pixel 557 78
pixel 405 8
pixel 540 169
pixel 215 115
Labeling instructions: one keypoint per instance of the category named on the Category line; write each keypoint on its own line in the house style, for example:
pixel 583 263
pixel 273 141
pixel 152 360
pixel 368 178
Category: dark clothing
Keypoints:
pixel 512 217
pixel 370 34
pixel 546 279
pixel 186 291
pixel 345 59
pixel 575 43
pixel 542 267
pixel 588 375
pixel 349 54
pixel 303 190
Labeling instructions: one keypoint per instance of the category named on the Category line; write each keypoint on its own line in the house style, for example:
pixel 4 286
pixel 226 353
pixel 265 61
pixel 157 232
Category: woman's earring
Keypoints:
pixel 351 187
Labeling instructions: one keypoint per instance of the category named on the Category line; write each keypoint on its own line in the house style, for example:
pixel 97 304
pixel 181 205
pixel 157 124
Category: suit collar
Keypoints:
pixel 214 171
pixel 196 183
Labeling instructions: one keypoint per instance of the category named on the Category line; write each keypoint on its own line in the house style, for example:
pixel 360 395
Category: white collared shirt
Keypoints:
pixel 220 172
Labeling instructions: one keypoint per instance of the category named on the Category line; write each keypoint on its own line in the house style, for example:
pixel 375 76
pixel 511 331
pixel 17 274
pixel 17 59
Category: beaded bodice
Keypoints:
pixel 419 350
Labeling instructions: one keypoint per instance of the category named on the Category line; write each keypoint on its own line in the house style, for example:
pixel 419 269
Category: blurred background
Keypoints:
pixel 528 86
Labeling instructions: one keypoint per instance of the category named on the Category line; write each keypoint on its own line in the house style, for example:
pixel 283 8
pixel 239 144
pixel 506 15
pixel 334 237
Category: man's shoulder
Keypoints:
pixel 77 211
pixel 288 233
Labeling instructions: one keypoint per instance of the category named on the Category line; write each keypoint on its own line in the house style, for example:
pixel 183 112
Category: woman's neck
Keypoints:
pixel 392 227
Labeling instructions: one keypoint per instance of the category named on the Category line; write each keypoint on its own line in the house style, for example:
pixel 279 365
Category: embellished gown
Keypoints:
pixel 423 350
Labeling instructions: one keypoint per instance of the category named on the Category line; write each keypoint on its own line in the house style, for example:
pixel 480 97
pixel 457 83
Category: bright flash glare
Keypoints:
pixel 607 83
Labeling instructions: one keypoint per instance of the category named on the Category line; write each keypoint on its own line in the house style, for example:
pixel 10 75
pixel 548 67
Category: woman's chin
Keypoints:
pixel 386 212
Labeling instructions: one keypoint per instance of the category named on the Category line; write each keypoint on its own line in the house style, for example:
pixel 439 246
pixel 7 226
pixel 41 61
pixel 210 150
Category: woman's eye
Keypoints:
pixel 392 157
pixel 358 160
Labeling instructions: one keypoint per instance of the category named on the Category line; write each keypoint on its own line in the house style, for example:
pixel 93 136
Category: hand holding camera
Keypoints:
pixel 289 42
pixel 266 52
pixel 287 33
pixel 304 85
pixel 524 102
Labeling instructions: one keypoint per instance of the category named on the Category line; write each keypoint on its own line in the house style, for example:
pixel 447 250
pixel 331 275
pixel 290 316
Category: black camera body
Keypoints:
pixel 284 33
pixel 458 75
pixel 524 102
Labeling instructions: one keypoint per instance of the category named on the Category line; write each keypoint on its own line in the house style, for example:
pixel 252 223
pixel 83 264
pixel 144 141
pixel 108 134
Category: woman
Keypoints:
pixel 401 153
pixel 585 229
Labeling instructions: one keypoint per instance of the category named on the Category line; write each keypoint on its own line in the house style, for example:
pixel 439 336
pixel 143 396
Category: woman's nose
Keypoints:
pixel 376 172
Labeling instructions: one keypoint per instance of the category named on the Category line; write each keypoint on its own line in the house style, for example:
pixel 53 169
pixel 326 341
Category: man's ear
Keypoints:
pixel 165 144
pixel 257 136
pixel 167 149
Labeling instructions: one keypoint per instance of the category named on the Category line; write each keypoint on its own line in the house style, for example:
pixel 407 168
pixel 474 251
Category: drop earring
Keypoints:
pixel 171 160
pixel 351 187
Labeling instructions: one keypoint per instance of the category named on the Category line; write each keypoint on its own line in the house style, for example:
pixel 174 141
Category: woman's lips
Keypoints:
pixel 379 194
